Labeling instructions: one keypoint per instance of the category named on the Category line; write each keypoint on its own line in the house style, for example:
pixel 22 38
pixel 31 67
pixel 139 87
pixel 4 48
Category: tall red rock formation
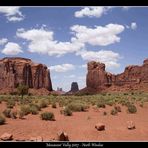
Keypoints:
pixel 15 71
pixel 133 78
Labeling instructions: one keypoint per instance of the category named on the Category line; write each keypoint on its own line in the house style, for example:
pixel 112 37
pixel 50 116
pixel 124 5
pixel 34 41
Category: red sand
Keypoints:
pixel 81 125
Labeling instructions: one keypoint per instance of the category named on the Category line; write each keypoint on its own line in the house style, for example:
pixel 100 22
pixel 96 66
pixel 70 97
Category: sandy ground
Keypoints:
pixel 81 125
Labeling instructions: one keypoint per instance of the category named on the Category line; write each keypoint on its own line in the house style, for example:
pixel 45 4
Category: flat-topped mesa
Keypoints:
pixel 16 70
pixel 15 59
pixel 134 77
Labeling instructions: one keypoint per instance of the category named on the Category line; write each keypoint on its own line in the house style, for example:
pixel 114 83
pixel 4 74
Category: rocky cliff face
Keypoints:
pixel 15 71
pixel 133 78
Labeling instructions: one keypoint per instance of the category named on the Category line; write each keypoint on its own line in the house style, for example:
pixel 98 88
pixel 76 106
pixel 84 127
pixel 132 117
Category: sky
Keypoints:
pixel 67 38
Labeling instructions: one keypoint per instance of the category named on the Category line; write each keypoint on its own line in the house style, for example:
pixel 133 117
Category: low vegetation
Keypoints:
pixel 54 105
pixel 10 103
pixel 67 112
pixel 7 113
pixel 48 116
pixel 25 109
pixel 77 107
pixel 114 112
pixel 71 103
pixel 2 120
pixel 132 108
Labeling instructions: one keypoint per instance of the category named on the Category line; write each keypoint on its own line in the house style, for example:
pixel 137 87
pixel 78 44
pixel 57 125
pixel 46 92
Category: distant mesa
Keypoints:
pixel 17 70
pixel 134 78
pixel 74 88
pixel 59 89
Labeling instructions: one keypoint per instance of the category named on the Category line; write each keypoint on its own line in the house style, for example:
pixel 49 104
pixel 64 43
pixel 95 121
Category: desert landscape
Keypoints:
pixel 73 74
pixel 108 112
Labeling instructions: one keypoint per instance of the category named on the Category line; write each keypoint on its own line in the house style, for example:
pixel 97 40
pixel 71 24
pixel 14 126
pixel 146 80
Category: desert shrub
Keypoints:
pixel 131 108
pixel 25 109
pixel 7 112
pixel 35 105
pixel 2 120
pixel 61 103
pixel 21 114
pixel 77 107
pixel 13 114
pixel 117 108
pixel 13 93
pixel 104 113
pixel 22 90
pixel 47 116
pixel 113 112
pixel 43 103
pixel 67 112
pixel 125 94
pixel 10 103
pixel 103 94
pixel 125 103
pixel 110 103
pixel 101 104
pixel 54 105
pixel 33 110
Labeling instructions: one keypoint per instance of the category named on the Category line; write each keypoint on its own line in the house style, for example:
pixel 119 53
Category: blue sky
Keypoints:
pixel 66 38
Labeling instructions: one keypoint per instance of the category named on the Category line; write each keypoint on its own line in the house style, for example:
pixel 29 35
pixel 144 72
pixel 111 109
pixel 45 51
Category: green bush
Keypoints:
pixel 47 116
pixel 33 110
pixel 61 103
pixel 54 105
pixel 101 104
pixel 43 103
pixel 7 112
pixel 2 120
pixel 77 107
pixel 21 114
pixel 132 108
pixel 35 105
pixel 10 103
pixel 25 109
pixel 110 103
pixel 67 112
pixel 114 112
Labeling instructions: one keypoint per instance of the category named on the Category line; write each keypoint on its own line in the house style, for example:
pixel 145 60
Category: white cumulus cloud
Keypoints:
pixel 42 41
pixel 12 13
pixel 91 12
pixel 62 68
pixel 99 35
pixel 133 26
pixel 108 57
pixel 3 41
pixel 11 49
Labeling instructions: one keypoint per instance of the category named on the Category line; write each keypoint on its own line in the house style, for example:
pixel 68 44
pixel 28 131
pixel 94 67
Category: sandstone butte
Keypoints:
pixel 16 70
pixel 134 78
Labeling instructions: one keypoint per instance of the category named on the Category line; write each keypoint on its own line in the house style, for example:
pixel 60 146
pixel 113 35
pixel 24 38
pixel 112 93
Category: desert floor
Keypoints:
pixel 81 125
